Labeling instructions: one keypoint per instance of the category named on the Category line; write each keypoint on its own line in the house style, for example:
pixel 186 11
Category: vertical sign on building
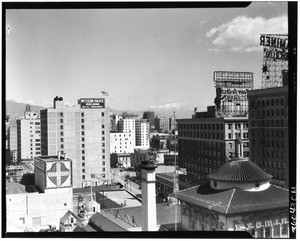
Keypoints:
pixel 275 59
pixel 231 93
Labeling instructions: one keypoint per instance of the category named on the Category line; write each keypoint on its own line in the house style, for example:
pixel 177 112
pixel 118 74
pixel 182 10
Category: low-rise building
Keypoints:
pixel 32 209
pixel 120 160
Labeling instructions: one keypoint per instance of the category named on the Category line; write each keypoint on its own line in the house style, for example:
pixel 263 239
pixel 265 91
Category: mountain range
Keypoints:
pixel 16 110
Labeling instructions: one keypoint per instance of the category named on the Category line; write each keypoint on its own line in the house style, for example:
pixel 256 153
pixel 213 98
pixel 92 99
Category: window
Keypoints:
pixel 61 114
pixel 83 177
pixel 83 170
pixel 83 158
pixel 103 132
pixel 61 139
pixel 82 145
pixel 103 163
pixel 61 121
pixel 61 146
pixel 82 139
pixel 83 164
pixel 82 120
pixel 103 138
pixel 82 114
pixel 82 133
pixel 82 126
pixel 103 114
pixel 103 169
pixel 103 157
pixel 61 127
pixel 83 152
pixel 103 126
pixel 61 133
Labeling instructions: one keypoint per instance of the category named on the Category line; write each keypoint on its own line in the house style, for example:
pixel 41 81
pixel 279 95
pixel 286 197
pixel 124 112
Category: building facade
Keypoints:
pixel 38 209
pixel 126 125
pixel 204 144
pixel 13 142
pixel 162 124
pixel 28 135
pixel 237 197
pixel 269 132
pixel 149 115
pixel 122 142
pixel 81 133
pixel 142 130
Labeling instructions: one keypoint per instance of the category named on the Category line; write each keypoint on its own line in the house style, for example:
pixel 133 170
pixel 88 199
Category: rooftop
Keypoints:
pixel 15 188
pixel 122 197
pixel 232 201
pixel 240 170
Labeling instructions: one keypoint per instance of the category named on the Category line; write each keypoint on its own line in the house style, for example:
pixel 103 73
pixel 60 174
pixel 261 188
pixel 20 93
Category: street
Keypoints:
pixel 120 177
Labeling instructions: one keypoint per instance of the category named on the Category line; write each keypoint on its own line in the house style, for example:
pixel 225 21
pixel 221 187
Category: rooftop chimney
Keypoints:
pixel 148 196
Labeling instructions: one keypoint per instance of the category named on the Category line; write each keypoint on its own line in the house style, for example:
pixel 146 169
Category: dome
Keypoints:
pixel 240 170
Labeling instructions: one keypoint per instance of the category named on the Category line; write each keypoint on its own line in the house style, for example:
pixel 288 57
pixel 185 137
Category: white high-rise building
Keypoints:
pixel 126 125
pixel 122 142
pixel 28 135
pixel 81 132
pixel 142 132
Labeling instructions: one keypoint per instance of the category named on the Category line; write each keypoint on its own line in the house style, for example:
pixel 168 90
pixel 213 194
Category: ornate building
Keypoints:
pixel 237 197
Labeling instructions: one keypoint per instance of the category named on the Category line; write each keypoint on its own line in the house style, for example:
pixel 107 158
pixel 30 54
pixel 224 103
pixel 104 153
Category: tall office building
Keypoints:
pixel 142 132
pixel 28 135
pixel 269 132
pixel 81 133
pixel 205 144
pixel 206 141
pixel 13 142
pixel 149 115
pixel 161 124
pixel 126 125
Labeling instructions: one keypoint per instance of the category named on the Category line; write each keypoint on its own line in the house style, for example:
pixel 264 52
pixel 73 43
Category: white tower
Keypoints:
pixel 148 196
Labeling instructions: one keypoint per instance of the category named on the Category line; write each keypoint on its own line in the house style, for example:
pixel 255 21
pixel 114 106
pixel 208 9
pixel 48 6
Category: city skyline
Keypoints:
pixel 144 58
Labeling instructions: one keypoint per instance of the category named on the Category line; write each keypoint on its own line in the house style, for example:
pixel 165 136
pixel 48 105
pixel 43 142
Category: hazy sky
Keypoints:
pixel 142 57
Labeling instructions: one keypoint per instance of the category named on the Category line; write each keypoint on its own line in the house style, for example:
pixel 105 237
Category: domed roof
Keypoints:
pixel 240 170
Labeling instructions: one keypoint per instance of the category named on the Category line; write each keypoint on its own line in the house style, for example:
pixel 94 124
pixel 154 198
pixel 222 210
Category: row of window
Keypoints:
pixel 237 126
pixel 206 135
pixel 202 126
pixel 237 135
pixel 268 102
pixel 200 144
pixel 268 143
pixel 268 113
pixel 61 114
pixel 268 133
pixel 268 123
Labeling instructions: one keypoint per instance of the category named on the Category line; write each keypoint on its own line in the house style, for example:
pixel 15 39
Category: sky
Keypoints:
pixel 144 58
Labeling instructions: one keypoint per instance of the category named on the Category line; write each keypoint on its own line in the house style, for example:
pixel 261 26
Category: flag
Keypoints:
pixel 105 93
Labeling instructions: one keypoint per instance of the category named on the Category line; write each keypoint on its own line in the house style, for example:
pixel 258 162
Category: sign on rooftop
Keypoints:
pixel 231 92
pixel 92 103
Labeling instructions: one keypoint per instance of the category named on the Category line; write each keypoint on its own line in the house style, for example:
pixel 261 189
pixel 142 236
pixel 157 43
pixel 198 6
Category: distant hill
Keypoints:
pixel 180 112
pixel 16 109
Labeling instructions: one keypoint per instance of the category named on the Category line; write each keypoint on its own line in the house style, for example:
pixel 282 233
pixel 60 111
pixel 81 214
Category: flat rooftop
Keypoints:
pixel 121 197
pixel 52 158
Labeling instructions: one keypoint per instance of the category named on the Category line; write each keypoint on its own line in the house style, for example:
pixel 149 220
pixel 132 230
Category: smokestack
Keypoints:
pixel 149 222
